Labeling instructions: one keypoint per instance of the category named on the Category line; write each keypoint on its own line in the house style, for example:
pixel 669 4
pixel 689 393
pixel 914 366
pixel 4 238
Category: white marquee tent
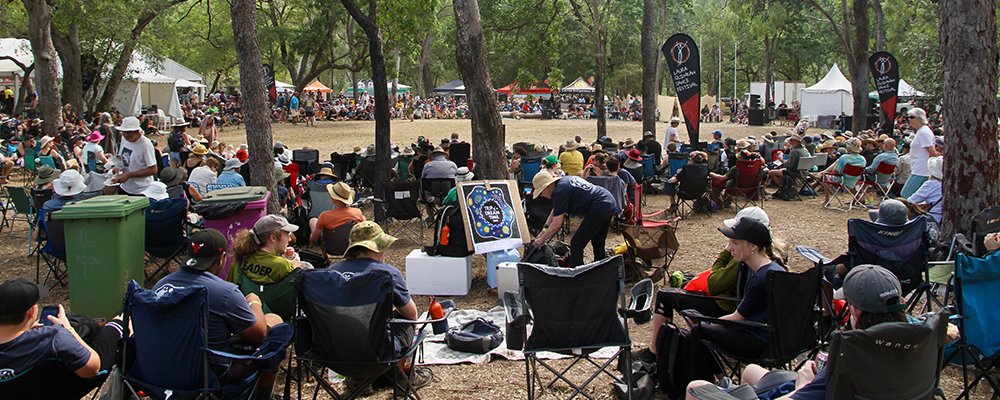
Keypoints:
pixel 905 90
pixel 149 82
pixel 829 96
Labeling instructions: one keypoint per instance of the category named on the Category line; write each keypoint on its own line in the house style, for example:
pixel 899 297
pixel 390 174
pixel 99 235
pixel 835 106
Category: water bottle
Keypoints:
pixel 437 312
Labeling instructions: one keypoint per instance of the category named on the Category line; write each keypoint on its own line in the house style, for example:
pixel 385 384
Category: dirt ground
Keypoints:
pixel 796 222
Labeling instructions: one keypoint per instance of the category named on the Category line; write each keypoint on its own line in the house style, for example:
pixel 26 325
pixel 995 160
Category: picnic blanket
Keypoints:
pixel 436 351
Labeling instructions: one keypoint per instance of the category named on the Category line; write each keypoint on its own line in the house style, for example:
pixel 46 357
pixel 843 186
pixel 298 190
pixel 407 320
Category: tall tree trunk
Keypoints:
pixel 23 91
pixel 968 53
pixel 859 67
pixel 649 57
pixel 426 75
pixel 255 104
pixel 46 68
pixel 395 79
pixel 68 46
pixel 487 130
pixel 369 24
pixel 600 62
pixel 880 37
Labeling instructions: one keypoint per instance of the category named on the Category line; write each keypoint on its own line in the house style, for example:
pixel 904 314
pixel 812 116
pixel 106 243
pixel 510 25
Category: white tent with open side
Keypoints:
pixel 829 96
pixel 148 89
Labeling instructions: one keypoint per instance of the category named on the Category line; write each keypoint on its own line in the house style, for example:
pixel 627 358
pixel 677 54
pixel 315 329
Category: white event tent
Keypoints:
pixel 150 83
pixel 830 96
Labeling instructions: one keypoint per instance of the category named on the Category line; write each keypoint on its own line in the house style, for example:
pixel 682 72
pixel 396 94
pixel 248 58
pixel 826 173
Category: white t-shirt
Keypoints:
pixel 201 177
pixel 918 153
pixel 136 156
pixel 672 135
pixel 90 147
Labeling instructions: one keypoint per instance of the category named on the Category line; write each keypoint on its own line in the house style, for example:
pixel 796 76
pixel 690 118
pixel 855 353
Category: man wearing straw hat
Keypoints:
pixel 342 213
pixel 138 159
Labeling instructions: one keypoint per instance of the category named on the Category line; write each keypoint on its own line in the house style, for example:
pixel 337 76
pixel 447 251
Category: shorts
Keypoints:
pixel 175 156
pixel 310 113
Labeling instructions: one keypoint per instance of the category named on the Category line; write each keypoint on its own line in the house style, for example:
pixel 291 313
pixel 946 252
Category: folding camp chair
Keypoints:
pixel 166 241
pixel 987 221
pixel 400 200
pixel 21 204
pixel 293 178
pixel 800 180
pixel 47 160
pixel 51 251
pixel 840 190
pixel 432 192
pixel 346 325
pixel 460 153
pixel 307 160
pixel 790 327
pixel 693 189
pixel 977 281
pixel 367 171
pixel 277 298
pixel 648 168
pixel 343 165
pixel 167 354
pixel 30 168
pixel 529 167
pixel 749 185
pixel 574 312
pixel 335 240
pixel 319 199
pixel 650 241
pixel 863 365
pixel 870 181
pixel 49 379
pixel 403 167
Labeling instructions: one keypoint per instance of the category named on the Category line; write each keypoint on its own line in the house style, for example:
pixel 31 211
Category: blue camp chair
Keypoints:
pixel 977 280
pixel 529 167
pixel 167 354
pixel 319 199
pixel 165 238
pixel 647 165
pixel 47 160
pixel 676 162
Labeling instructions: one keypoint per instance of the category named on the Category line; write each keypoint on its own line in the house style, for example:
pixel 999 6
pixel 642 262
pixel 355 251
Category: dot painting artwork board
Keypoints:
pixel 492 214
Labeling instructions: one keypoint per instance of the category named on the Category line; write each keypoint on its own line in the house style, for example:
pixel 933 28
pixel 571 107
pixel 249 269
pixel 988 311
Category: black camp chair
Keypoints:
pixel 400 200
pixel 460 153
pixel 693 187
pixel 39 383
pixel 432 192
pixel 51 251
pixel 987 221
pixel 343 164
pixel 335 240
pixel 574 312
pixel 345 325
pixel 790 327
pixel 166 241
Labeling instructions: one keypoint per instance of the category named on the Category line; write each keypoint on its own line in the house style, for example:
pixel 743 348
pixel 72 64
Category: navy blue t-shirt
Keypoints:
pixel 753 307
pixel 815 390
pixel 228 310
pixel 38 345
pixel 349 267
pixel 574 195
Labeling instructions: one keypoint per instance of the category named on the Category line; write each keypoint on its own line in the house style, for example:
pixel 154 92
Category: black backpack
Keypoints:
pixel 176 141
pixel 673 359
pixel 451 217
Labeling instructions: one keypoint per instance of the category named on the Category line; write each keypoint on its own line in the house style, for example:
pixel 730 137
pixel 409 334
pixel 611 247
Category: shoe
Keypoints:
pixel 420 377
pixel 354 383
pixel 645 355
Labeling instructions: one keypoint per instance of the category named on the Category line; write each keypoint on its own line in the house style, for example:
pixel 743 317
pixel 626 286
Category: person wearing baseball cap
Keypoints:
pixel 672 135
pixel 28 341
pixel 574 195
pixel 231 315
pixel 342 197
pixel 138 159
pixel 262 253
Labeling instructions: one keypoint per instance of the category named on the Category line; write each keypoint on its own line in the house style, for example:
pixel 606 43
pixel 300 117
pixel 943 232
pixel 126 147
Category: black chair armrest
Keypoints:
pixel 697 317
pixel 640 309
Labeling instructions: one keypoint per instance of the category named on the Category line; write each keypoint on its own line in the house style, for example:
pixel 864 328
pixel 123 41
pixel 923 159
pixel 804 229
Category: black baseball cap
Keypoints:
pixel 750 230
pixel 206 248
pixel 873 289
pixel 20 294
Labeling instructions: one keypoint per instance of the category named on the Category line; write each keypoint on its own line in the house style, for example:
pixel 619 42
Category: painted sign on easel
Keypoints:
pixel 492 215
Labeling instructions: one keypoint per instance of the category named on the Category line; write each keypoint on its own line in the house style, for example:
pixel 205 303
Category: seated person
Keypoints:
pixel 551 163
pixel 205 175
pixel 887 156
pixel 366 252
pixel 262 253
pixel 325 176
pixel 463 175
pixel 342 213
pixel 790 167
pixel 439 166
pixel 719 281
pixel 874 297
pixel 929 196
pixel 44 176
pixel 615 169
pixel 27 342
pixel 833 174
pixel 230 314
pixel 751 245
pixel 695 171
pixel 992 242
pixel 230 176
pixel 598 166
pixel 280 190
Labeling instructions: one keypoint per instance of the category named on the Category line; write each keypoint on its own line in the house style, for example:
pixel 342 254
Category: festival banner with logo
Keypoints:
pixel 885 71
pixel 492 214
pixel 685 69
pixel 272 89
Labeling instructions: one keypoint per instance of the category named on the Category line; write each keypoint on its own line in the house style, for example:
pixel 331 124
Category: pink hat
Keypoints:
pixel 94 137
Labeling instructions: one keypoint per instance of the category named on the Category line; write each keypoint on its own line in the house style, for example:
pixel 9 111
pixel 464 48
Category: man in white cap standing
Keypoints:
pixel 672 135
pixel 138 159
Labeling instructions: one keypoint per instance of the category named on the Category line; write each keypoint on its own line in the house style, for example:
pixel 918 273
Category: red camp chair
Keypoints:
pixel 872 181
pixel 749 184
pixel 838 188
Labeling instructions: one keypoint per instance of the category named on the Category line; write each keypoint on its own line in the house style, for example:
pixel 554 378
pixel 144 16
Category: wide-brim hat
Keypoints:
pixel 180 124
pixel 171 176
pixel 570 145
pixel 795 137
pixel 70 183
pixel 369 235
pixel 854 145
pixel 45 174
pixel 541 181
pixel 94 137
pixel 199 149
pixel 633 155
pixel 280 174
pixel 44 141
pixel 463 174
pixel 437 150
pixel 935 166
pixel 628 143
pixel 407 151
pixel 341 191
pixel 232 163
pixel 156 191
pixel 326 171
pixel 129 124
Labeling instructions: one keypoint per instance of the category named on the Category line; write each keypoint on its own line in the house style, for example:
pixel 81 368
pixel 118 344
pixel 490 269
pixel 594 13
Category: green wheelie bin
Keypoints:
pixel 105 244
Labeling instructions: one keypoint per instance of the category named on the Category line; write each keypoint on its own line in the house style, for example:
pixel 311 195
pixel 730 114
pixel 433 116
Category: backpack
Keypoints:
pixel 478 336
pixel 176 141
pixel 449 217
pixel 673 359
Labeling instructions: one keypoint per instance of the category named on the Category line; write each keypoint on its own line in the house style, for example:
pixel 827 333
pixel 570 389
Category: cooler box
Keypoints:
pixel 256 208
pixel 101 251
pixel 506 278
pixel 493 259
pixel 435 275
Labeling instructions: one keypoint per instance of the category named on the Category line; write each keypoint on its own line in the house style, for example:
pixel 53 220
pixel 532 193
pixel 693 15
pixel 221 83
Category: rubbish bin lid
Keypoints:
pixel 243 193
pixel 115 206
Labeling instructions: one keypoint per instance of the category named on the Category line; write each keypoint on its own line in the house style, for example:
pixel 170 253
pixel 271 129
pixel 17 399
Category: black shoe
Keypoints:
pixel 420 377
pixel 645 355
pixel 354 383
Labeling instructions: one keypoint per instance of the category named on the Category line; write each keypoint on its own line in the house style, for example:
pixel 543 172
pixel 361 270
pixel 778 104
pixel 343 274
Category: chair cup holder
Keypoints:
pixel 641 306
